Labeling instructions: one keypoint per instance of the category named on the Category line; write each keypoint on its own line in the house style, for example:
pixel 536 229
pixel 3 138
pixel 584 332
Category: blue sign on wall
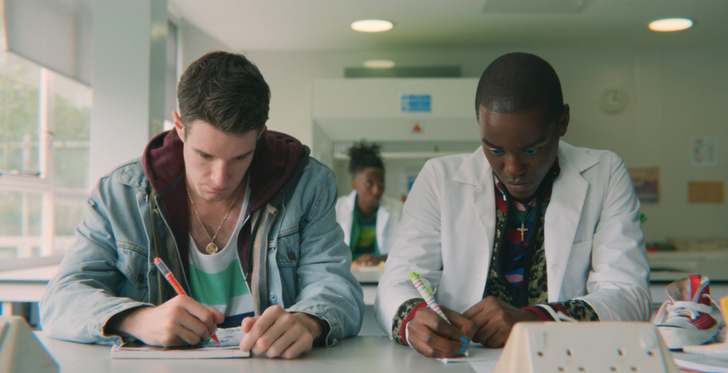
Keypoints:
pixel 416 103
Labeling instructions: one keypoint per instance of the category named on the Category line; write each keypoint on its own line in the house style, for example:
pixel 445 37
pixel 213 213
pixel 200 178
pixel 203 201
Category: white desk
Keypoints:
pixel 24 285
pixel 359 354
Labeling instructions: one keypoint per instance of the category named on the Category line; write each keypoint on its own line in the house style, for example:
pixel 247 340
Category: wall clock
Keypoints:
pixel 613 100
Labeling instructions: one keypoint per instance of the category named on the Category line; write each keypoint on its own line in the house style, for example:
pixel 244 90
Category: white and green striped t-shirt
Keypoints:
pixel 218 281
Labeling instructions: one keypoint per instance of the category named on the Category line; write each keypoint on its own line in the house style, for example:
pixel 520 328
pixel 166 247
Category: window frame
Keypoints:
pixel 42 183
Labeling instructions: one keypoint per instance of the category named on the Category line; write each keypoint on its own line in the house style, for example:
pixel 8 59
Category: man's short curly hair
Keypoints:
pixel 519 83
pixel 227 91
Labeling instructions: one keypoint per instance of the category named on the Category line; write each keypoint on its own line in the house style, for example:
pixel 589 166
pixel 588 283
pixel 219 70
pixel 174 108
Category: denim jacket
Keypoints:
pixel 300 260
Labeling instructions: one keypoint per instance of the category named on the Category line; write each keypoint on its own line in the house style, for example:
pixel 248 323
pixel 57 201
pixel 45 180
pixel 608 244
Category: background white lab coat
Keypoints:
pixel 388 215
pixel 594 244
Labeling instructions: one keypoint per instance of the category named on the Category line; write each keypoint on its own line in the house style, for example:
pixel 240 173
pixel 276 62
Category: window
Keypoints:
pixel 44 147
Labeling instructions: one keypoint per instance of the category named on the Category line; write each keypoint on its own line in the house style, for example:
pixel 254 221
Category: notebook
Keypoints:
pixel 228 348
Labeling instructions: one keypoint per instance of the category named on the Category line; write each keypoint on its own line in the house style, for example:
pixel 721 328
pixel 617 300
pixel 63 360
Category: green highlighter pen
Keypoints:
pixel 426 293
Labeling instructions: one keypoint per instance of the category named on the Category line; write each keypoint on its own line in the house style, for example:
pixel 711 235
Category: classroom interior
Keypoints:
pixel 654 98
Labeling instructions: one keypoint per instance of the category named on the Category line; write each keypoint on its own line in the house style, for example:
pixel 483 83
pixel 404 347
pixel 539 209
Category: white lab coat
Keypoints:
pixel 594 243
pixel 388 215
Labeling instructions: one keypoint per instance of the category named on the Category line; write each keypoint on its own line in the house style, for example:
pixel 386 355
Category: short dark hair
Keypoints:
pixel 363 155
pixel 518 83
pixel 227 91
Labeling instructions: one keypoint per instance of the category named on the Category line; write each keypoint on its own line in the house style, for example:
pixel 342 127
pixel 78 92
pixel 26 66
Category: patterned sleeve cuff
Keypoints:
pixel 404 314
pixel 540 311
pixel 575 309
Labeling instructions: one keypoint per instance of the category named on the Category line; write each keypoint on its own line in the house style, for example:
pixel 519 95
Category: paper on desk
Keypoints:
pixel 477 353
pixel 228 348
pixel 484 366
pixel 699 363
pixel 227 337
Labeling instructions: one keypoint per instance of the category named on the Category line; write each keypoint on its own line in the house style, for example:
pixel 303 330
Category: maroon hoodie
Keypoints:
pixel 275 158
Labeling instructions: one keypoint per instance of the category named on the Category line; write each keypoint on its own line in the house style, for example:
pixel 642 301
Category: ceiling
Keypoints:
pixel 245 25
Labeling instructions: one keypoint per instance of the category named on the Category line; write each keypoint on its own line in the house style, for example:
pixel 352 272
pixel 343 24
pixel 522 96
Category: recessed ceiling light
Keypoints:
pixel 372 25
pixel 379 64
pixel 670 24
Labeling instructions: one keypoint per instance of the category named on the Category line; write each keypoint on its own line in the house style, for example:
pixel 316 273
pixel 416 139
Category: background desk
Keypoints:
pixel 26 285
pixel 23 281
pixel 359 354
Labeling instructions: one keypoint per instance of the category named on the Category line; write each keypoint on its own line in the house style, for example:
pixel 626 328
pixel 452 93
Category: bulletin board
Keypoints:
pixel 706 192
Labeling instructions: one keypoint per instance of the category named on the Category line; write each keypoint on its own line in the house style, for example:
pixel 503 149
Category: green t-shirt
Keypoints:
pixel 363 234
pixel 218 280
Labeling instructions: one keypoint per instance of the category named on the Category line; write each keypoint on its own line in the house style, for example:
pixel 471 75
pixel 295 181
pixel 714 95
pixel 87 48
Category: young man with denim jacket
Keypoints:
pixel 218 185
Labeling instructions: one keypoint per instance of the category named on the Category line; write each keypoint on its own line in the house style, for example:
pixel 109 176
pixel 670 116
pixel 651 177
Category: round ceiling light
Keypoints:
pixel 670 24
pixel 372 25
pixel 379 64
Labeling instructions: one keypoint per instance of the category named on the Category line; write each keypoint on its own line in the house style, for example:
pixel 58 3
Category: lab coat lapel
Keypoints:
pixel 382 220
pixel 347 218
pixel 563 214
pixel 476 171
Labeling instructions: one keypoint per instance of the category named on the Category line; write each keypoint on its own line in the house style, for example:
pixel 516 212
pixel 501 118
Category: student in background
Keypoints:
pixel 526 228
pixel 209 197
pixel 369 218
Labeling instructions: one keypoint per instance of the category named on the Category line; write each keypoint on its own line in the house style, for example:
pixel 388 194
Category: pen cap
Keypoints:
pixel 162 267
pixel 414 277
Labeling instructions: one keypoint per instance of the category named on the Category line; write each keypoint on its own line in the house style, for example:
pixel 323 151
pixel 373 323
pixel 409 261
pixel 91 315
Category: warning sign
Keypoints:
pixel 417 127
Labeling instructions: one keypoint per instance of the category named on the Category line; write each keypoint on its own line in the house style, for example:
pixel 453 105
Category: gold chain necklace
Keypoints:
pixel 523 228
pixel 211 248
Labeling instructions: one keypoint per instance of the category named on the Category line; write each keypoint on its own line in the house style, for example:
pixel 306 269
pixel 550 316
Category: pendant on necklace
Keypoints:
pixel 522 229
pixel 211 248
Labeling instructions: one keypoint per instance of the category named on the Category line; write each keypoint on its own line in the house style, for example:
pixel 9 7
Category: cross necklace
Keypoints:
pixel 523 228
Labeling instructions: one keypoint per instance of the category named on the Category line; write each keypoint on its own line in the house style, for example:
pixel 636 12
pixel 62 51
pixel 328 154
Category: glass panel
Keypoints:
pixel 32 252
pixel 21 214
pixel 67 216
pixel 7 253
pixel 70 167
pixel 67 105
pixel 70 128
pixel 19 81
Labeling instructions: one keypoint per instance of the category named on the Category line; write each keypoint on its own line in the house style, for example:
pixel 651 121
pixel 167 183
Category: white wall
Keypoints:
pixel 395 187
pixel 54 34
pixel 674 94
pixel 128 81
pixel 289 75
pixel 195 43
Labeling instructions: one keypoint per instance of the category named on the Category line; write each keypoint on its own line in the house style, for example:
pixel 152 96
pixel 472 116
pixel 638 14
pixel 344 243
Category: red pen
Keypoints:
pixel 173 281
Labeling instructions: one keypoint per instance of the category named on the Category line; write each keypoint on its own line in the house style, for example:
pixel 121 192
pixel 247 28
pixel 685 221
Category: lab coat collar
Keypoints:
pixel 562 215
pixel 474 169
